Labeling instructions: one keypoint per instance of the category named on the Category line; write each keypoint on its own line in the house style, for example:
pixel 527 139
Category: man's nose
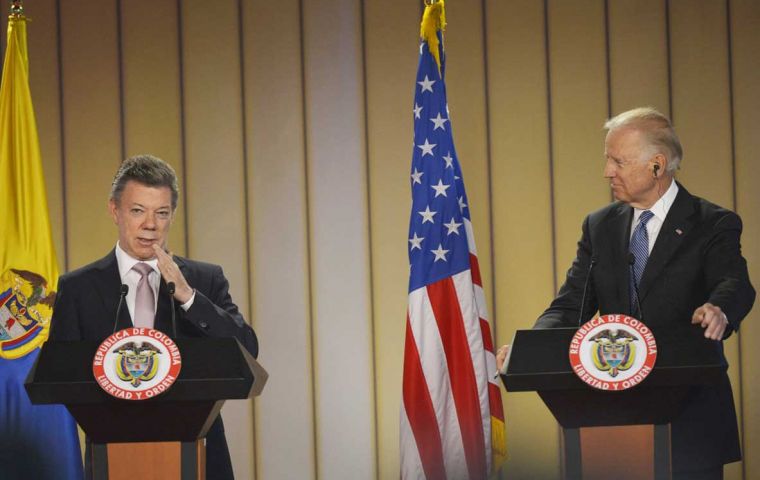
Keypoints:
pixel 150 223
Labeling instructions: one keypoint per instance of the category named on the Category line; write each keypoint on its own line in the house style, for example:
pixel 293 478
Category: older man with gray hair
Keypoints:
pixel 672 260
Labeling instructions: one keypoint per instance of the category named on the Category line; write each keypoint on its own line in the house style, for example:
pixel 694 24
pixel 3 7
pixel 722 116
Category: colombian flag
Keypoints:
pixel 39 442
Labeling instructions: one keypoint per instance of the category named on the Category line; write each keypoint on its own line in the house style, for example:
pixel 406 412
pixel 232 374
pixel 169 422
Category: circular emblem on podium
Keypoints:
pixel 613 352
pixel 136 363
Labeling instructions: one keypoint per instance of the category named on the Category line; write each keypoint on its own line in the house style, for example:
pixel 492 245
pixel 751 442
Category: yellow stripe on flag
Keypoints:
pixel 28 267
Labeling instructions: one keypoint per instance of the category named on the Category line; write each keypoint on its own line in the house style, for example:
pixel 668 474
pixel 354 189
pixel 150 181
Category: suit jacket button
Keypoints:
pixel 204 325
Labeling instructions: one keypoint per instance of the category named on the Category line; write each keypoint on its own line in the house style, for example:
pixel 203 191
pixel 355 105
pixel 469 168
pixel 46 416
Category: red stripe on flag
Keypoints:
pixel 494 395
pixel 420 411
pixel 485 330
pixel 494 401
pixel 475 269
pixel 10 344
pixel 448 315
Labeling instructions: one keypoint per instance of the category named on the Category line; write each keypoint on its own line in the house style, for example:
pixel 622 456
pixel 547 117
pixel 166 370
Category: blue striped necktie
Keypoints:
pixel 639 247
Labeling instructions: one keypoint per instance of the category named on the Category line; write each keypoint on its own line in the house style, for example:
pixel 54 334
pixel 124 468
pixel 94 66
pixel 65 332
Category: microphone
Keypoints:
pixel 170 287
pixel 585 290
pixel 123 290
pixel 631 262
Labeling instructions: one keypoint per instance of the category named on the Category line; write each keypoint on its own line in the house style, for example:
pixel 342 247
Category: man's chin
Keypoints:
pixel 144 253
pixel 619 197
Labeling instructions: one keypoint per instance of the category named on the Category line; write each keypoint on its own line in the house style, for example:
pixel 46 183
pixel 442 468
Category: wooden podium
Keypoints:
pixel 159 438
pixel 623 434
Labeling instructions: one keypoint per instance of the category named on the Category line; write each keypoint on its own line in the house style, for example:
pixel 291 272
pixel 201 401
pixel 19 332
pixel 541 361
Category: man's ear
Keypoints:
pixel 113 210
pixel 659 163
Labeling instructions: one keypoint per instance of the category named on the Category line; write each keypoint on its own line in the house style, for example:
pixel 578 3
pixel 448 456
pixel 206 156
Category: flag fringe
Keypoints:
pixel 498 445
pixel 433 19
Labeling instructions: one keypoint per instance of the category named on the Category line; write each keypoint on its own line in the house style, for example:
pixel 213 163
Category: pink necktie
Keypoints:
pixel 144 300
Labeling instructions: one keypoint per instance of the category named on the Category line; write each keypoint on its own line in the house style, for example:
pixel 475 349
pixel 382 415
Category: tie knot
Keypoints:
pixel 646 215
pixel 142 268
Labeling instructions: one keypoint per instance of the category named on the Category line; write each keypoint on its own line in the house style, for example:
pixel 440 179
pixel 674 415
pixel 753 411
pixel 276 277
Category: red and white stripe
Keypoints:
pixel 449 393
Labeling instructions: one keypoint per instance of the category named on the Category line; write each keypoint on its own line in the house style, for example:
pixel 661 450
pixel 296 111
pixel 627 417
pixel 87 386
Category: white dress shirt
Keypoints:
pixel 660 210
pixel 131 278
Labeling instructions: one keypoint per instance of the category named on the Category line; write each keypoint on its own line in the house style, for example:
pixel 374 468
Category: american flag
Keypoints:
pixel 452 421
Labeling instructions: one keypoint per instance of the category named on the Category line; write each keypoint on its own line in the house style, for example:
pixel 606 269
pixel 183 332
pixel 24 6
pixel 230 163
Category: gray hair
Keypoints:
pixel 147 170
pixel 657 130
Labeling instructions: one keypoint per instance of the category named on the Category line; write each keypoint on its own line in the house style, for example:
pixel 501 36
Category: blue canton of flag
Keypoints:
pixel 437 236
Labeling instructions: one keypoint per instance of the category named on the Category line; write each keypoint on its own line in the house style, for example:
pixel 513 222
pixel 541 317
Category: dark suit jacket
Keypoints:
pixel 85 309
pixel 696 259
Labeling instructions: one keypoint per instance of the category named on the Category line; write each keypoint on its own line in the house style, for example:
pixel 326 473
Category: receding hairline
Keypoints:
pixel 644 119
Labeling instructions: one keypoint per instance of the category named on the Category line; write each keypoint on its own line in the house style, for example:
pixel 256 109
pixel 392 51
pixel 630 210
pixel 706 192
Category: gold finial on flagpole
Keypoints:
pixel 433 21
pixel 17 8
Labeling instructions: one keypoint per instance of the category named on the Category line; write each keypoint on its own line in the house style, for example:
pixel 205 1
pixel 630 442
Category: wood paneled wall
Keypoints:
pixel 289 124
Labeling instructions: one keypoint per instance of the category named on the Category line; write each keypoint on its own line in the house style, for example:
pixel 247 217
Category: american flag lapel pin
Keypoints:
pixel 679 231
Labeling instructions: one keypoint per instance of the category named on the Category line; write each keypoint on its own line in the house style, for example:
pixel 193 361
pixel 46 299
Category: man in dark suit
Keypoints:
pixel 680 255
pixel 143 202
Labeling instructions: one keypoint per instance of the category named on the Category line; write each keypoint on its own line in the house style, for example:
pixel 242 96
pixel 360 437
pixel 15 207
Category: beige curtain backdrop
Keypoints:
pixel 290 125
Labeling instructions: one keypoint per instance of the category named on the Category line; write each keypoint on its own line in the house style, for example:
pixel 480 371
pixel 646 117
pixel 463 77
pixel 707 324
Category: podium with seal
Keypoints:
pixel 606 428
pixel 160 435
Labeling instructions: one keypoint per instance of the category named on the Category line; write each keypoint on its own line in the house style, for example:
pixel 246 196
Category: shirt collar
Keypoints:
pixel 126 261
pixel 662 206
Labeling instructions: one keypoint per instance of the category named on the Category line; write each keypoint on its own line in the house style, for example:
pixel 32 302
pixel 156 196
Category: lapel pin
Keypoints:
pixel 679 231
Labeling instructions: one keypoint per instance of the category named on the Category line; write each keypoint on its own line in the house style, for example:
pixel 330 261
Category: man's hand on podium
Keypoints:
pixel 712 319
pixel 501 357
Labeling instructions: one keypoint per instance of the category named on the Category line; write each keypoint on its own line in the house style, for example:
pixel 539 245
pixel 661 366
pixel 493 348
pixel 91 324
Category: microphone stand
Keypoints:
pixel 631 262
pixel 170 287
pixel 585 290
pixel 123 290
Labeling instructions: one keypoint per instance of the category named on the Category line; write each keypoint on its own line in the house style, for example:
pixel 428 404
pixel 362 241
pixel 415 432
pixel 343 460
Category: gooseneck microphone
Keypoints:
pixel 585 290
pixel 170 287
pixel 123 291
pixel 631 262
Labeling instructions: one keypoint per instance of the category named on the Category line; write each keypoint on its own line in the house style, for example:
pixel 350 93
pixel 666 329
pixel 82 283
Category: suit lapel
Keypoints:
pixel 676 227
pixel 108 284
